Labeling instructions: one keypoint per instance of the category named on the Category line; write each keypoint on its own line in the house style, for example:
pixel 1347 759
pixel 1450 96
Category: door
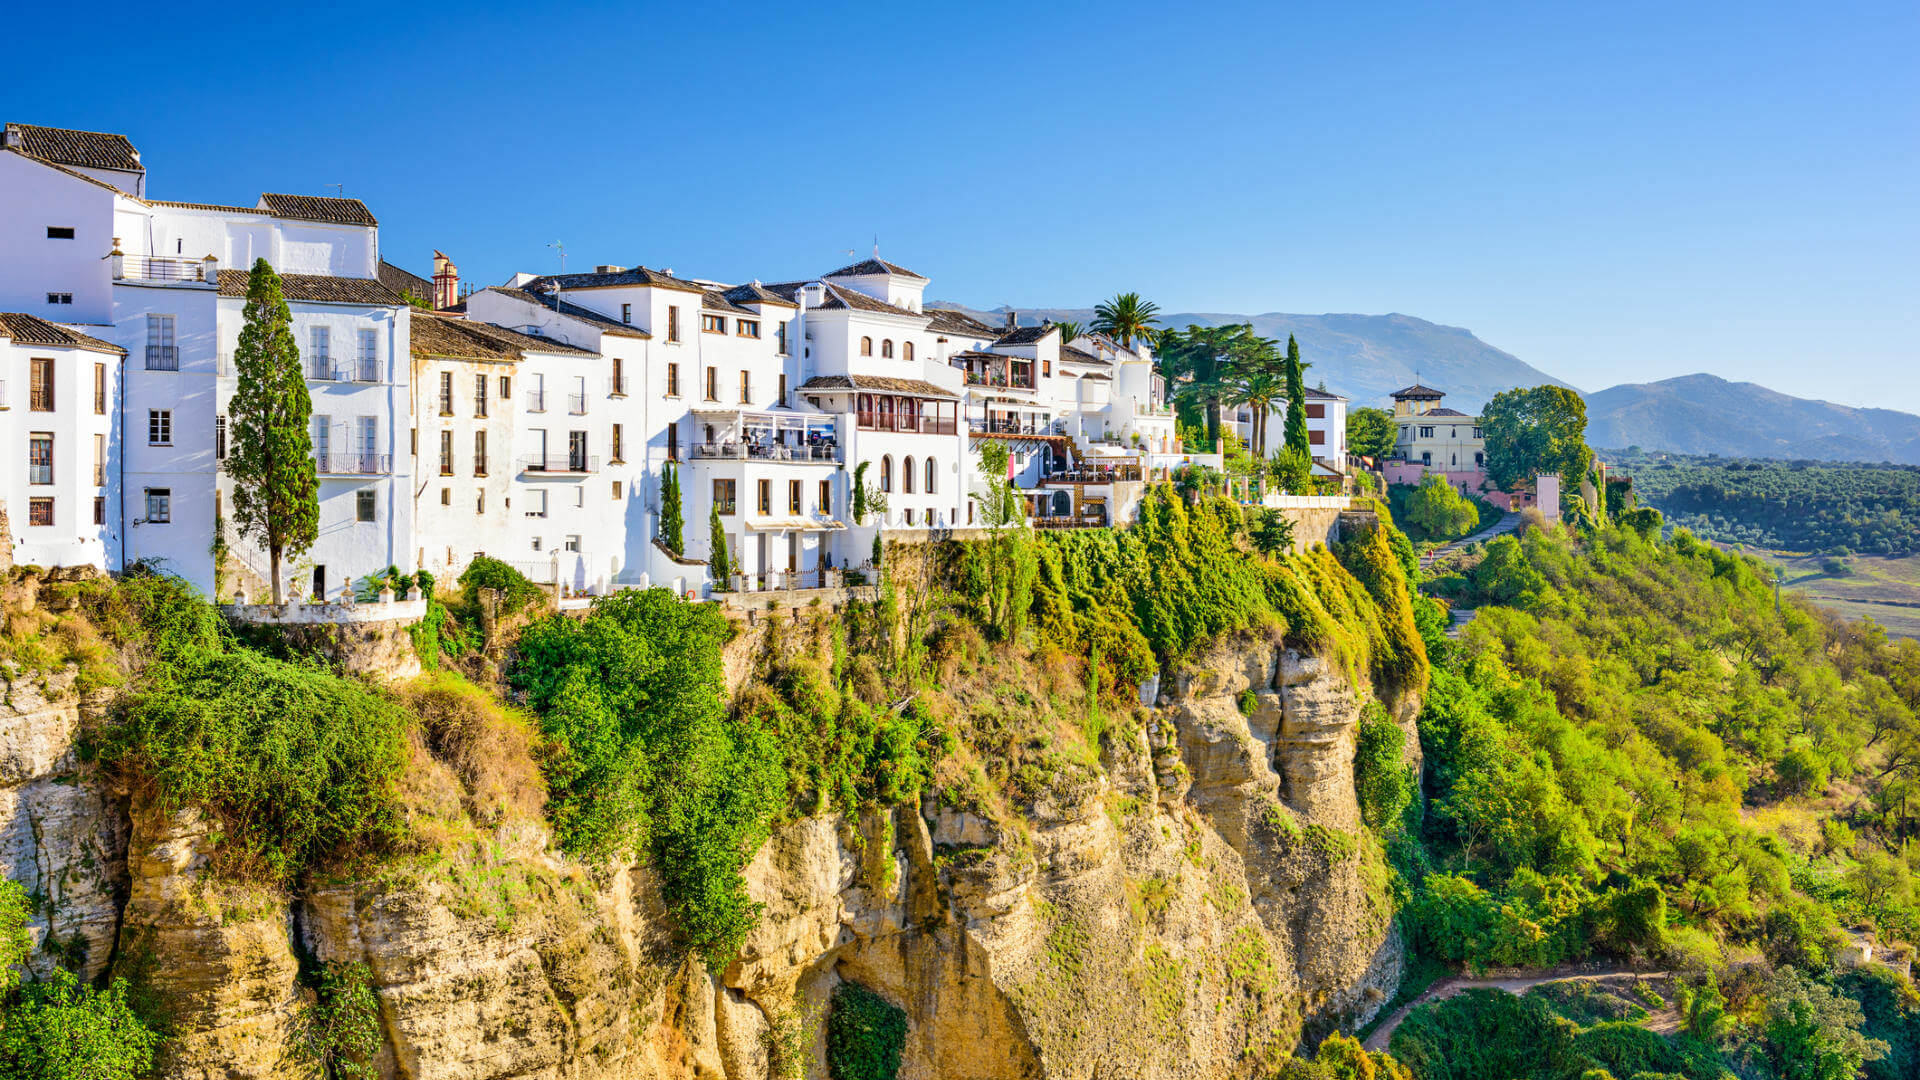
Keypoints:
pixel 320 582
pixel 793 551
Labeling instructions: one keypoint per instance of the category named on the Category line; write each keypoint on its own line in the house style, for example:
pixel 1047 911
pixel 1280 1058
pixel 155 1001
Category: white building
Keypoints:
pixel 59 406
pixel 1326 431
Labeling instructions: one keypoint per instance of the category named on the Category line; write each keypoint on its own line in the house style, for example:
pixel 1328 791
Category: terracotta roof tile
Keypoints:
pixel 1451 413
pixel 207 206
pixel 527 342
pixel 318 289
pixel 573 311
pixel 717 301
pixel 440 335
pixel 875 382
pixel 1418 393
pixel 841 299
pixel 32 330
pixel 1025 335
pixel 874 266
pixel 756 293
pixel 638 275
pixel 403 281
pixel 948 321
pixel 1071 355
pixel 81 149
pixel 319 208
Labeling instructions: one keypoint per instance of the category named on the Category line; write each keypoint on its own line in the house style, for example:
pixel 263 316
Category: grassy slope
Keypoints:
pixel 1885 589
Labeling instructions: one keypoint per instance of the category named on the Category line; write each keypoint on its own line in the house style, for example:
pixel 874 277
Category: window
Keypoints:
pixel 536 542
pixel 673 380
pixel 886 473
pixel 618 446
pixel 59 232
pixel 1317 437
pixel 39 511
pixel 366 505
pixel 626 313
pixel 746 388
pixel 909 515
pixel 319 344
pixel 766 497
pixel 1046 366
pixel 617 385
pixel 159 506
pixel 40 385
pixel 480 501
pixel 723 493
pixel 369 356
pixel 747 327
pixel 826 497
pixel 1426 457
pixel 161 353
pixel 886 349
pixel 446 453
pixel 673 323
pixel 713 384
pixel 159 427
pixel 572 542
pixel 1316 411
pixel 673 441
pixel 780 337
pixel 479 453
pixel 782 399
pixel 59 298
pixel 576 451
pixel 794 498
pixel 906 475
pixel 369 444
pixel 866 346
pixel 99 510
pixel 537 400
pixel 1426 433
pixel 619 491
pixel 506 387
pixel 479 395
pixel 537 507
pixel 1476 433
pixel 99 460
pixel 1479 458
pixel 322 439
pixel 930 471
pixel 713 324
pixel 446 496
pixel 99 389
pixel 906 350
pixel 446 393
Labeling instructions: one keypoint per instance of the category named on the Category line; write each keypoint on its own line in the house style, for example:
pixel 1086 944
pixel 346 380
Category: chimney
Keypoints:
pixel 605 269
pixel 446 282
pixel 1013 319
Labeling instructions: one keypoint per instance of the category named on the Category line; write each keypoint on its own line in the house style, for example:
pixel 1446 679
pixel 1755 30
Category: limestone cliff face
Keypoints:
pixel 1191 907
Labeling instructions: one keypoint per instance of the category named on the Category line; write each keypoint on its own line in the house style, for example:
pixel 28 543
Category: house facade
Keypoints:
pixel 1434 439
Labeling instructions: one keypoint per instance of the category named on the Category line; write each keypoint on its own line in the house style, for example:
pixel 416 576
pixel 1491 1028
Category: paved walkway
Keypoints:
pixel 1501 525
pixel 1512 984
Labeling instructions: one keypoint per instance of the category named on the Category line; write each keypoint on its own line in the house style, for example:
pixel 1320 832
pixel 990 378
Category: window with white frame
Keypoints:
pixel 319 352
pixel 369 356
pixel 159 506
pixel 162 355
pixel 159 427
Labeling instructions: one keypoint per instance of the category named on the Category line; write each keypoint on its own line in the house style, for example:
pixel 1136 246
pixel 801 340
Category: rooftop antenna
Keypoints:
pixel 562 249
pixel 876 245
pixel 338 189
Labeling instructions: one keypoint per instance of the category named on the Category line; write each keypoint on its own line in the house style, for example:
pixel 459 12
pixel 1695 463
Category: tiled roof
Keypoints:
pixel 207 206
pixel 57 167
pixel 1447 412
pixel 1419 393
pixel 875 382
pixel 874 266
pixel 573 311
pixel 33 330
pixel 319 208
pixel 1071 355
pixel 1024 335
pixel 1323 395
pixel 638 275
pixel 948 321
pixel 717 301
pixel 439 335
pixel 841 299
pixel 403 281
pixel 756 293
pixel 318 289
pixel 81 149
pixel 1098 377
pixel 527 342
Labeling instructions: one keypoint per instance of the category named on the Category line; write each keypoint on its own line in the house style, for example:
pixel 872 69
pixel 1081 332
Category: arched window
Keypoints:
pixel 929 476
pixel 866 346
pixel 906 474
pixel 886 349
pixel 886 473
pixel 906 350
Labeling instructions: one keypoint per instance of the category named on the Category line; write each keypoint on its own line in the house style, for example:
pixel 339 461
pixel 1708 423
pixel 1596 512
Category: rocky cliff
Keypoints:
pixel 1192 903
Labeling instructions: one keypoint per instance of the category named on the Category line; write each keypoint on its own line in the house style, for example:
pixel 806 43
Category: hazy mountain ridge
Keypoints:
pixel 1706 414
pixel 1365 357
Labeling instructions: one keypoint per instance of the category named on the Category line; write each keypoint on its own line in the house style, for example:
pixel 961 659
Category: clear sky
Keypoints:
pixel 1621 192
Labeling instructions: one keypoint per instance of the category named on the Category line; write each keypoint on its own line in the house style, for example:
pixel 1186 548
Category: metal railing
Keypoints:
pixel 354 463
pixel 617 385
pixel 159 268
pixel 163 358
pixel 536 401
pixel 561 463
pixel 1068 522
pixel 577 404
pixel 367 371
pixel 822 452
pixel 1095 476
pixel 879 421
pixel 1003 426
pixel 981 378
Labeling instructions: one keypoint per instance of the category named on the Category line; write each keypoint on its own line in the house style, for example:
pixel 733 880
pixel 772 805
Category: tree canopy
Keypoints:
pixel 276 485
pixel 1371 432
pixel 1531 431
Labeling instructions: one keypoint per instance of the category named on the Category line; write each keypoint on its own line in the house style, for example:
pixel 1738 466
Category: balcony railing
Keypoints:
pixel 821 452
pixel 1095 476
pixel 617 385
pixel 577 404
pixel 158 268
pixel 333 463
pixel 984 378
pixel 881 421
pixel 561 464
pixel 367 371
pixel 536 401
pixel 163 358
pixel 998 425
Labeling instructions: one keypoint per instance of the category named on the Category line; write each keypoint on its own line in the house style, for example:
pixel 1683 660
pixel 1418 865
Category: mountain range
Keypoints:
pixel 1367 357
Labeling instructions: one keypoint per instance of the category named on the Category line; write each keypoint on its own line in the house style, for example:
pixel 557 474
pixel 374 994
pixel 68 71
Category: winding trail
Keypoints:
pixel 1512 984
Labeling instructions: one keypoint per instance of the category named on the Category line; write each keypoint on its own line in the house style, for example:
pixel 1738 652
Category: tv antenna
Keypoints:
pixel 338 189
pixel 562 249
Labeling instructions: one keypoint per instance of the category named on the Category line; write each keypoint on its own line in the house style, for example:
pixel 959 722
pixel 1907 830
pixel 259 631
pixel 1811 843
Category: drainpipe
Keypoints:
pixel 393 434
pixel 120 496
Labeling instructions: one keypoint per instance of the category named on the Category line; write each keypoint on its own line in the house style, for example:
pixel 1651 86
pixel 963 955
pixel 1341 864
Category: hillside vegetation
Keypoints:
pixel 1705 414
pixel 1802 506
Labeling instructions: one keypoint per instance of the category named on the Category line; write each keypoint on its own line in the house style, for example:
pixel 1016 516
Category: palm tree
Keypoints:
pixel 1260 390
pixel 1127 318
pixel 1069 331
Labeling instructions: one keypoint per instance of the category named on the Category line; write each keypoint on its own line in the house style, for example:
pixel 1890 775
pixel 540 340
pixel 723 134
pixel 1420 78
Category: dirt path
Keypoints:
pixel 1512 984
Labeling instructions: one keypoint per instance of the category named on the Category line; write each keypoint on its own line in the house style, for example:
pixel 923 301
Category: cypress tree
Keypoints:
pixel 1296 401
pixel 718 563
pixel 673 523
pixel 276 487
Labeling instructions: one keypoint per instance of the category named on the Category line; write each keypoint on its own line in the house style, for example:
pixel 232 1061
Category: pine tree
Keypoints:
pixel 673 524
pixel 1296 401
pixel 718 563
pixel 276 488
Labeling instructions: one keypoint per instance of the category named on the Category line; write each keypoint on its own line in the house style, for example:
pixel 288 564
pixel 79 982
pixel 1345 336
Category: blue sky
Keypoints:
pixel 1612 192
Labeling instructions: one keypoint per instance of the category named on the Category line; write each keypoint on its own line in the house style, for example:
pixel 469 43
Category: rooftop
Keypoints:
pixel 948 321
pixel 404 281
pixel 839 299
pixel 1025 335
pixel 552 303
pixel 1417 392
pixel 319 208
pixel 80 149
pixel 875 266
pixel 318 288
pixel 33 330
pixel 884 383
pixel 638 275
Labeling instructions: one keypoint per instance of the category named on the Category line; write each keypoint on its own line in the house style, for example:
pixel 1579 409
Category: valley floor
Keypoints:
pixel 1884 589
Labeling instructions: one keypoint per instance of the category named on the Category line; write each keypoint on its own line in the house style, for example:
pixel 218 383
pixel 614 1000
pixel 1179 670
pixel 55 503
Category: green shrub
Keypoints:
pixel 865 1035
pixel 517 593
pixel 61 1029
pixel 1382 780
pixel 339 1031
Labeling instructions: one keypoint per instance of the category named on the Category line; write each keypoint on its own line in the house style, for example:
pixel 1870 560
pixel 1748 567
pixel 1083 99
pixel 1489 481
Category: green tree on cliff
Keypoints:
pixel 673 523
pixel 276 488
pixel 1296 400
pixel 718 563
pixel 1534 431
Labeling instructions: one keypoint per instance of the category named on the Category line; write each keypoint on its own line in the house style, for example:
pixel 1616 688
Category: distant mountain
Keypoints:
pixel 1365 357
pixel 1705 414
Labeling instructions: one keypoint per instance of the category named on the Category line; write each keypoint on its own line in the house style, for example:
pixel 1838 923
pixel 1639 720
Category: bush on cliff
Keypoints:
pixel 59 1028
